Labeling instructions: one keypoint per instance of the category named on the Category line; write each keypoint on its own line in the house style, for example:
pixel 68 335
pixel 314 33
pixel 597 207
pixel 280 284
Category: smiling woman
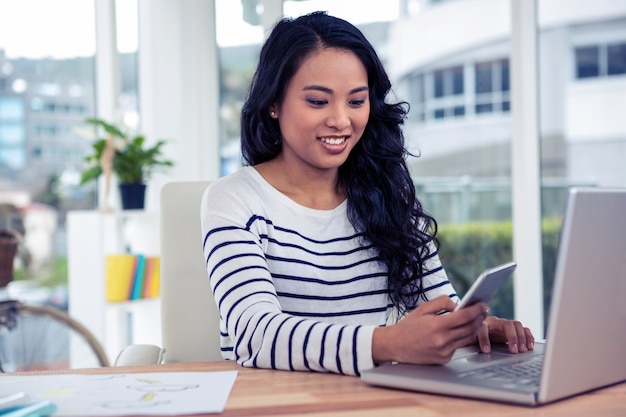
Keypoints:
pixel 310 247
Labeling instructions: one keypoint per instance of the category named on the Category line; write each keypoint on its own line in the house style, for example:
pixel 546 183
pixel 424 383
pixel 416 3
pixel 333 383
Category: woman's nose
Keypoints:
pixel 338 118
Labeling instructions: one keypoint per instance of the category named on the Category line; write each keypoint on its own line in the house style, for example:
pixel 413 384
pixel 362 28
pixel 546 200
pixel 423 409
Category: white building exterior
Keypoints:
pixel 460 128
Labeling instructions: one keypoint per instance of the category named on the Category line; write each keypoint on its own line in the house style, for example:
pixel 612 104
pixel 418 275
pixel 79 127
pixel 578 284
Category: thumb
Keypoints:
pixel 441 304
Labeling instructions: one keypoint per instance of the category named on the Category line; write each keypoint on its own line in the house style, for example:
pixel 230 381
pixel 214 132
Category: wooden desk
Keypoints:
pixel 261 392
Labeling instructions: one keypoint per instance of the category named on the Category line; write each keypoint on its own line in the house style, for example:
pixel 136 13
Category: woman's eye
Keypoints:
pixel 316 102
pixel 357 103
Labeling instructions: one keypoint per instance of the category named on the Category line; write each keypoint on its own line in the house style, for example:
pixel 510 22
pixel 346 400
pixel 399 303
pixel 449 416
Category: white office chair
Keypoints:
pixel 189 316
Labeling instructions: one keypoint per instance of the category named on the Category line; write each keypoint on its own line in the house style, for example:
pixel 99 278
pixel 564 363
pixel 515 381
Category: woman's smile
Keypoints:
pixel 334 144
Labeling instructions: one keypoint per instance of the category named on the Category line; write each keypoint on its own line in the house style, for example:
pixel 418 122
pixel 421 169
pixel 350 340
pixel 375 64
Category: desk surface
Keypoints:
pixel 261 392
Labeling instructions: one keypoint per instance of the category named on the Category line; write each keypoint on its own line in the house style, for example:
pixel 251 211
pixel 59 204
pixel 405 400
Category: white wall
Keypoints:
pixel 569 12
pixel 443 30
pixel 596 110
pixel 439 139
pixel 453 28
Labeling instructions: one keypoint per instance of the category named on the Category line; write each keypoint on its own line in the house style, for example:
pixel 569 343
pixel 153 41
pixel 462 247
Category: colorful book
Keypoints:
pixel 148 277
pixel 155 282
pixel 137 286
pixel 119 272
pixel 131 282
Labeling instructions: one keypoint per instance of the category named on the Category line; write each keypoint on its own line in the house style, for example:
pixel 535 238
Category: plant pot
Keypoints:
pixel 8 250
pixel 132 196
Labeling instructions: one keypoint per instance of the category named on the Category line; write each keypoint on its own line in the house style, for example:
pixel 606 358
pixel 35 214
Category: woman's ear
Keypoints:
pixel 273 112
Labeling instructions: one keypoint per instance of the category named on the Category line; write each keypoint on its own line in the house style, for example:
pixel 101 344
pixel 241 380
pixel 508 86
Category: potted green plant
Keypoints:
pixel 128 158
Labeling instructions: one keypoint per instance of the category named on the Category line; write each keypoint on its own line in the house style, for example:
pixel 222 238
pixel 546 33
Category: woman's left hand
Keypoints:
pixel 497 330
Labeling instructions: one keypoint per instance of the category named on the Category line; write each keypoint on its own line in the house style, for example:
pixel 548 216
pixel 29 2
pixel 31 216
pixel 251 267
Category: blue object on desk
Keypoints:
pixel 38 409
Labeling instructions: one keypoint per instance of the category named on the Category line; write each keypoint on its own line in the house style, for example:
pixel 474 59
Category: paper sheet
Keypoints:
pixel 160 393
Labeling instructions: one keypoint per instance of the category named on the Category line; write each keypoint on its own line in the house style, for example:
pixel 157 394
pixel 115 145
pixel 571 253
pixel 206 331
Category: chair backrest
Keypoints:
pixel 189 316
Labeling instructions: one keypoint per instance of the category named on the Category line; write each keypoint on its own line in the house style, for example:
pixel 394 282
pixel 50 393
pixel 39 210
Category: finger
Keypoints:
pixel 530 339
pixel 439 304
pixel 521 336
pixel 511 335
pixel 483 338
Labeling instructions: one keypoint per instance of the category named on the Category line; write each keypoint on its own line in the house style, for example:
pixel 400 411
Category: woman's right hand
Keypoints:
pixel 426 337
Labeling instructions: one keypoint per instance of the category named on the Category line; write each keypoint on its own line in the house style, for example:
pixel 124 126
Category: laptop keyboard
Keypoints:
pixel 525 372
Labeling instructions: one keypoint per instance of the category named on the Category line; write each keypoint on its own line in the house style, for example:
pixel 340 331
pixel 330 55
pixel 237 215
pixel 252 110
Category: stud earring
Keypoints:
pixel 273 114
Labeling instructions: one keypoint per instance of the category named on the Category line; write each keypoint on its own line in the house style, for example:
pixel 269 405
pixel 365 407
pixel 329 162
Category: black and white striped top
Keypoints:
pixel 296 287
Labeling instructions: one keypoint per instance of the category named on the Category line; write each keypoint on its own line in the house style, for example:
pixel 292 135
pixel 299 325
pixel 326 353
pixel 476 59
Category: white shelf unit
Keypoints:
pixel 91 236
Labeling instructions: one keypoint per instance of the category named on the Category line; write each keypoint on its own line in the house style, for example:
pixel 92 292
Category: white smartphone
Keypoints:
pixel 487 284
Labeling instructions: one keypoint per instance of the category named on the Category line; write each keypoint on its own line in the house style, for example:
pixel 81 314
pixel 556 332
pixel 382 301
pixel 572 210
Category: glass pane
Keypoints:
pixel 417 96
pixel 11 134
pixel 582 130
pixel 463 172
pixel 483 77
pixel 504 74
pixel 46 91
pixel 239 38
pixel 127 27
pixel 587 62
pixel 439 90
pixel 12 157
pixel 439 114
pixel 484 108
pixel 616 55
pixel 11 109
pixel 457 80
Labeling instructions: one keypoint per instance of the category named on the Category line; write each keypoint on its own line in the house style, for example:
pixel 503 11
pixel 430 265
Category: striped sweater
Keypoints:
pixel 297 289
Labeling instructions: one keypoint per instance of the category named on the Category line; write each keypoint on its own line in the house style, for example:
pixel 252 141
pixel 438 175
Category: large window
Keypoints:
pixel 492 86
pixel 583 134
pixel 239 38
pixel 437 94
pixel 600 60
pixel 442 94
pixel 447 95
pixel 463 172
pixel 46 91
pixel 453 68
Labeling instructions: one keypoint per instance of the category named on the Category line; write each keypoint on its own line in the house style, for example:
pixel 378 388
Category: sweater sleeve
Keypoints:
pixel 435 279
pixel 254 330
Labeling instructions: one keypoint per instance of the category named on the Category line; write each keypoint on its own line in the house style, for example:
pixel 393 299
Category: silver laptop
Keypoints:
pixel 585 346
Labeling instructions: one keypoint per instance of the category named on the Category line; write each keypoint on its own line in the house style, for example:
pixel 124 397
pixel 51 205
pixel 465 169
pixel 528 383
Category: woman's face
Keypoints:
pixel 325 110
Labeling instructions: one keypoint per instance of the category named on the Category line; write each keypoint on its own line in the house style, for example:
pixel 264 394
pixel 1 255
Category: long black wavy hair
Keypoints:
pixel 381 195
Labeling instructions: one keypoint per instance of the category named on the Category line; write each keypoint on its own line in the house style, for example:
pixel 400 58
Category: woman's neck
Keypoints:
pixel 317 189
